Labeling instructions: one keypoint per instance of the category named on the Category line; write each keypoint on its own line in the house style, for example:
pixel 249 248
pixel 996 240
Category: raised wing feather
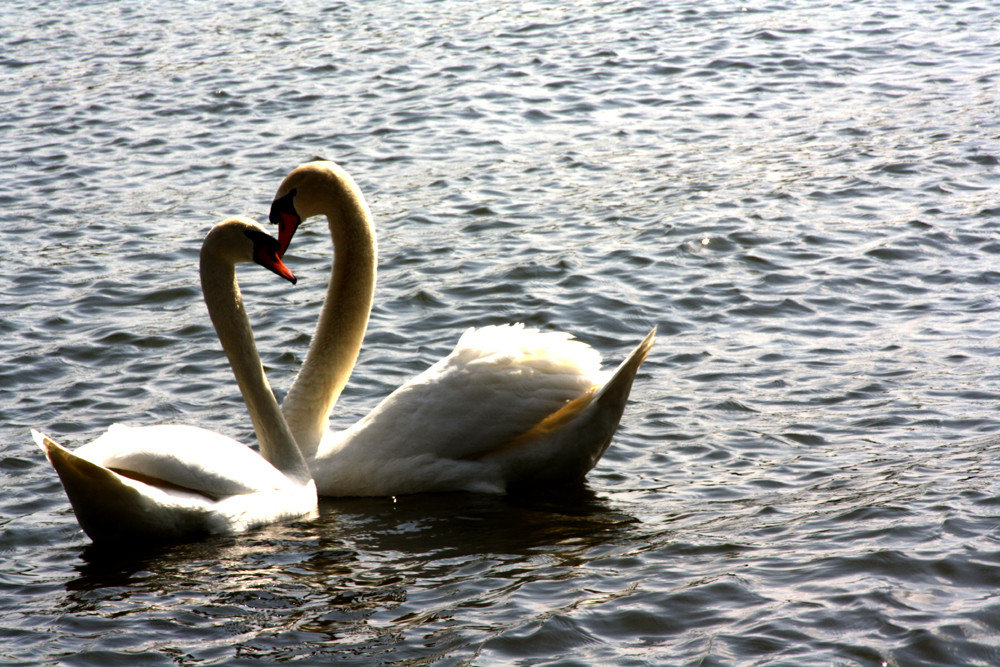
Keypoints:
pixel 186 456
pixel 498 382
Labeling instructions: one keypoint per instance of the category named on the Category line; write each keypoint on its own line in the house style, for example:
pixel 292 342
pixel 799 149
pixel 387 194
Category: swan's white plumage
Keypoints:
pixel 188 456
pixel 478 390
pixel 510 405
pixel 164 483
pixel 113 507
pixel 467 422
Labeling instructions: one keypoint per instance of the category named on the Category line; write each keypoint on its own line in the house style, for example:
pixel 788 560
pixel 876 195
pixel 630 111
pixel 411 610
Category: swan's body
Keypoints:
pixel 509 406
pixel 172 482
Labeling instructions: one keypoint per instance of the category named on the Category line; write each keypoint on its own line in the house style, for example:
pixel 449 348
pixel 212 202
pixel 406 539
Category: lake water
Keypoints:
pixel 805 199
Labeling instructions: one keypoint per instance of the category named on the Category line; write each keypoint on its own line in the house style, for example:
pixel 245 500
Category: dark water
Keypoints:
pixel 805 199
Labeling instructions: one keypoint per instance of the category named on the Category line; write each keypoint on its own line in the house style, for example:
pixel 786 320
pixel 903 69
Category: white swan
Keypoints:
pixel 509 406
pixel 173 482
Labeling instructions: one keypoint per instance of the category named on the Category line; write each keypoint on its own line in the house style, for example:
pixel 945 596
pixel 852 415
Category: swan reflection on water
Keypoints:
pixel 360 559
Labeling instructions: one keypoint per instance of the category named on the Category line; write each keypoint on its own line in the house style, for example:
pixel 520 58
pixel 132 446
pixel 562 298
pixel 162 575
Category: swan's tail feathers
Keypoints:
pixel 566 445
pixel 64 460
pixel 612 397
pixel 78 470
pixel 108 506
pixel 621 379
pixel 42 440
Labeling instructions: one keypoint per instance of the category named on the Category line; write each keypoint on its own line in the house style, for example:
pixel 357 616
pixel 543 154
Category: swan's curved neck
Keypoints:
pixel 225 307
pixel 341 329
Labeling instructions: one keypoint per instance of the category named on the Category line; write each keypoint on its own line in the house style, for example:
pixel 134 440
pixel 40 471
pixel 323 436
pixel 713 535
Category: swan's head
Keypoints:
pixel 242 240
pixel 314 188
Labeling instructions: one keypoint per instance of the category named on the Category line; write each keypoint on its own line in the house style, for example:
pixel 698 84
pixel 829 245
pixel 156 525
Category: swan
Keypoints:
pixel 509 406
pixel 166 483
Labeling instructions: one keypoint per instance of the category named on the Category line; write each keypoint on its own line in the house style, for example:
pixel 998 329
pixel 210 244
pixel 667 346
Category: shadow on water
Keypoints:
pixel 406 530
pixel 456 524
pixel 350 581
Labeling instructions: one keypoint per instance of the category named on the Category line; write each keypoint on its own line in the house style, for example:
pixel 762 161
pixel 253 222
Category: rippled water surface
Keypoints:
pixel 805 199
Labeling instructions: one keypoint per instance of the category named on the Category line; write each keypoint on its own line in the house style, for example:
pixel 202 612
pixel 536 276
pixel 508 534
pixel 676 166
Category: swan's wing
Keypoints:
pixel 567 444
pixel 113 507
pixel 498 383
pixel 184 456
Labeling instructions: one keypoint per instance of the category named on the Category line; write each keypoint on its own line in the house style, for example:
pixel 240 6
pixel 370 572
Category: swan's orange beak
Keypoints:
pixel 265 253
pixel 287 224
pixel 279 267
pixel 284 215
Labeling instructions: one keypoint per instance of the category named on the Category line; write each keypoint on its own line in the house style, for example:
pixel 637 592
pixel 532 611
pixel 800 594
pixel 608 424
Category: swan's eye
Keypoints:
pixel 262 242
pixel 283 209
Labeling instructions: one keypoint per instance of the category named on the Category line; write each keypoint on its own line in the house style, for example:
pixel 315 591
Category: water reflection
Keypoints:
pixel 367 568
pixel 818 235
pixel 457 525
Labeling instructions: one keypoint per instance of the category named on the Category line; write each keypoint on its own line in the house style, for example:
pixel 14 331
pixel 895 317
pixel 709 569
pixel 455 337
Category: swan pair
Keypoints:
pixel 510 406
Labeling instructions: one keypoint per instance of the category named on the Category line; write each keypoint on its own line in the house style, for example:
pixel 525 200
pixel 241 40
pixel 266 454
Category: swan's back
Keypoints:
pixel 187 456
pixel 479 390
pixel 513 346
pixel 161 483
pixel 446 428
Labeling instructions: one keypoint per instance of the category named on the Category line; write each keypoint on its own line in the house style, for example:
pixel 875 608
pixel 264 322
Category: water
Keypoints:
pixel 803 198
